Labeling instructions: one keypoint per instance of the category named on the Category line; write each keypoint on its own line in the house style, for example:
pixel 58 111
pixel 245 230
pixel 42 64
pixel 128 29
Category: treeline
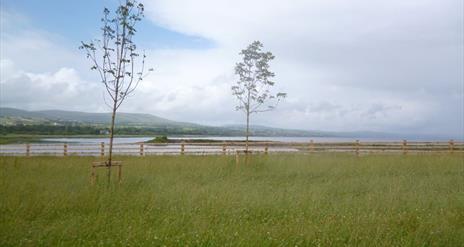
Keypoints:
pixel 96 130
pixel 48 130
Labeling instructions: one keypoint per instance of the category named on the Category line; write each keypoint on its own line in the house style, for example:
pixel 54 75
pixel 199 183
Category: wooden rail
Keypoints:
pixel 228 148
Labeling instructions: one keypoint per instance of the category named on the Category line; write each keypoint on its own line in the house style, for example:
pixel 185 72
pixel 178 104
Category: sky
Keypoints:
pixel 362 65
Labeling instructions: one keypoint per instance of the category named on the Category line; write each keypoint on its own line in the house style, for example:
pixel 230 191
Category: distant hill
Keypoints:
pixel 19 121
pixel 270 131
pixel 11 116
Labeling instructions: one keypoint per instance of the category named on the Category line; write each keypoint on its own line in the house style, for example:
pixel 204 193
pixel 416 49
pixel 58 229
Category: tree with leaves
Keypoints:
pixel 252 90
pixel 115 58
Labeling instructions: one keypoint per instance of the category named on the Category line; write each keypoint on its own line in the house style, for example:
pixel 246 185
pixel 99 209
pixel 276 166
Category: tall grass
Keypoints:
pixel 278 200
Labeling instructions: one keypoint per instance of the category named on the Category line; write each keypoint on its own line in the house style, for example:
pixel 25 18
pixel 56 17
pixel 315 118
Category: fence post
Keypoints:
pixel 224 148
pixel 237 158
pixel 65 150
pixel 102 149
pixel 451 146
pixel 405 147
pixel 357 147
pixel 28 150
pixel 182 148
pixel 311 146
pixel 266 148
pixel 141 149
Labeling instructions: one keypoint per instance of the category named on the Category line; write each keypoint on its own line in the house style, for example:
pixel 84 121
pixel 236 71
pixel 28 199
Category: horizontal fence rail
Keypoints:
pixel 228 148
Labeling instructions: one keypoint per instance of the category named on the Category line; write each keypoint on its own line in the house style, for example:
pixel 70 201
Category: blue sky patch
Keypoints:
pixel 80 21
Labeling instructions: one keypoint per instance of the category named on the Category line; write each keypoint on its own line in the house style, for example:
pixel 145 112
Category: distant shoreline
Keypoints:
pixel 22 139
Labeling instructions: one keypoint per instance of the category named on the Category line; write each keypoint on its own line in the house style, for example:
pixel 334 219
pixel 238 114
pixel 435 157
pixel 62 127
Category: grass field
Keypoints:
pixel 279 200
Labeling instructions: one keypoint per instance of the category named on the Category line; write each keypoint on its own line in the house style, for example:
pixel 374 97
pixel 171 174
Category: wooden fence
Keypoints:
pixel 227 148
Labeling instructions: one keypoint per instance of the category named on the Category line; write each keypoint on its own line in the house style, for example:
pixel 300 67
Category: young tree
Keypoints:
pixel 114 57
pixel 253 87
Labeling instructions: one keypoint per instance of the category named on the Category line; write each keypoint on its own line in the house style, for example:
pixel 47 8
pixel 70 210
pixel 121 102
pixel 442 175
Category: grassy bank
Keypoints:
pixel 326 200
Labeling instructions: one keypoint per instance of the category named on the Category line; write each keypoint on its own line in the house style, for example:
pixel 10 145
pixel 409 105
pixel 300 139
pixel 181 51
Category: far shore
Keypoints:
pixel 22 139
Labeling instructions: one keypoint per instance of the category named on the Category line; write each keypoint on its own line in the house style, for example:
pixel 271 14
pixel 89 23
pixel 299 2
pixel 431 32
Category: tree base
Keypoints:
pixel 105 164
pixel 237 156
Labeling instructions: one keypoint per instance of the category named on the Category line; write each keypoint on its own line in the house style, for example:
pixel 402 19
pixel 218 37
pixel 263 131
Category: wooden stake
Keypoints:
pixel 266 148
pixel 65 150
pixel 405 147
pixel 357 147
pixel 28 150
pixel 102 149
pixel 224 148
pixel 182 149
pixel 103 164
pixel 141 149
pixel 451 146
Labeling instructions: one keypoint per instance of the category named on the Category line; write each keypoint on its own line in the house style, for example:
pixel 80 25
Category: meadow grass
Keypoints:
pixel 275 200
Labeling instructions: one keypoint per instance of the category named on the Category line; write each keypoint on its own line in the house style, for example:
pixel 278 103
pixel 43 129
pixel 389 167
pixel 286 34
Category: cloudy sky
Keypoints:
pixel 392 66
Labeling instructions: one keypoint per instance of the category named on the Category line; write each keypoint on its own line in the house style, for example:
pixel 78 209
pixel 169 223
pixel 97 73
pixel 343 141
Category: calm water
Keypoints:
pixel 227 138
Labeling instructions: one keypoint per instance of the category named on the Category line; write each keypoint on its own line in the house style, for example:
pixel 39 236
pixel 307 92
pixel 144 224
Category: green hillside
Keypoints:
pixel 59 122
pixel 17 116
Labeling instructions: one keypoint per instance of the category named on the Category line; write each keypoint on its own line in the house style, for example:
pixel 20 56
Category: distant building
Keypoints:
pixel 104 132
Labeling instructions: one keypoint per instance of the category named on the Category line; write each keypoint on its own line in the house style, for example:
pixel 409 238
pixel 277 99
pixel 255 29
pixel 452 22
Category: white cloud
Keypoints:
pixel 391 66
pixel 46 90
pixel 386 65
pixel 189 85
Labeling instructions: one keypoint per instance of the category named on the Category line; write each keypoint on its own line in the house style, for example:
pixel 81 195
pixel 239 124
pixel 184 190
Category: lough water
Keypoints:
pixel 128 140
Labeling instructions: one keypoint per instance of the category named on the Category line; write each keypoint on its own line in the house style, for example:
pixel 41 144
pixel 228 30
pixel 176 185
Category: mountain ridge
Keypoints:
pixel 18 117
pixel 131 119
pixel 143 123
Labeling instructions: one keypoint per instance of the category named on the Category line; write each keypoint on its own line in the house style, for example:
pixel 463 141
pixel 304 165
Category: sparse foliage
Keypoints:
pixel 115 57
pixel 252 90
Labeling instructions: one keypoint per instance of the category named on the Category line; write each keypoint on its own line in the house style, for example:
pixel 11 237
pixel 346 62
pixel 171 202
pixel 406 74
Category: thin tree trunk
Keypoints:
pixel 115 100
pixel 247 132
pixel 110 158
pixel 247 124
pixel 247 137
